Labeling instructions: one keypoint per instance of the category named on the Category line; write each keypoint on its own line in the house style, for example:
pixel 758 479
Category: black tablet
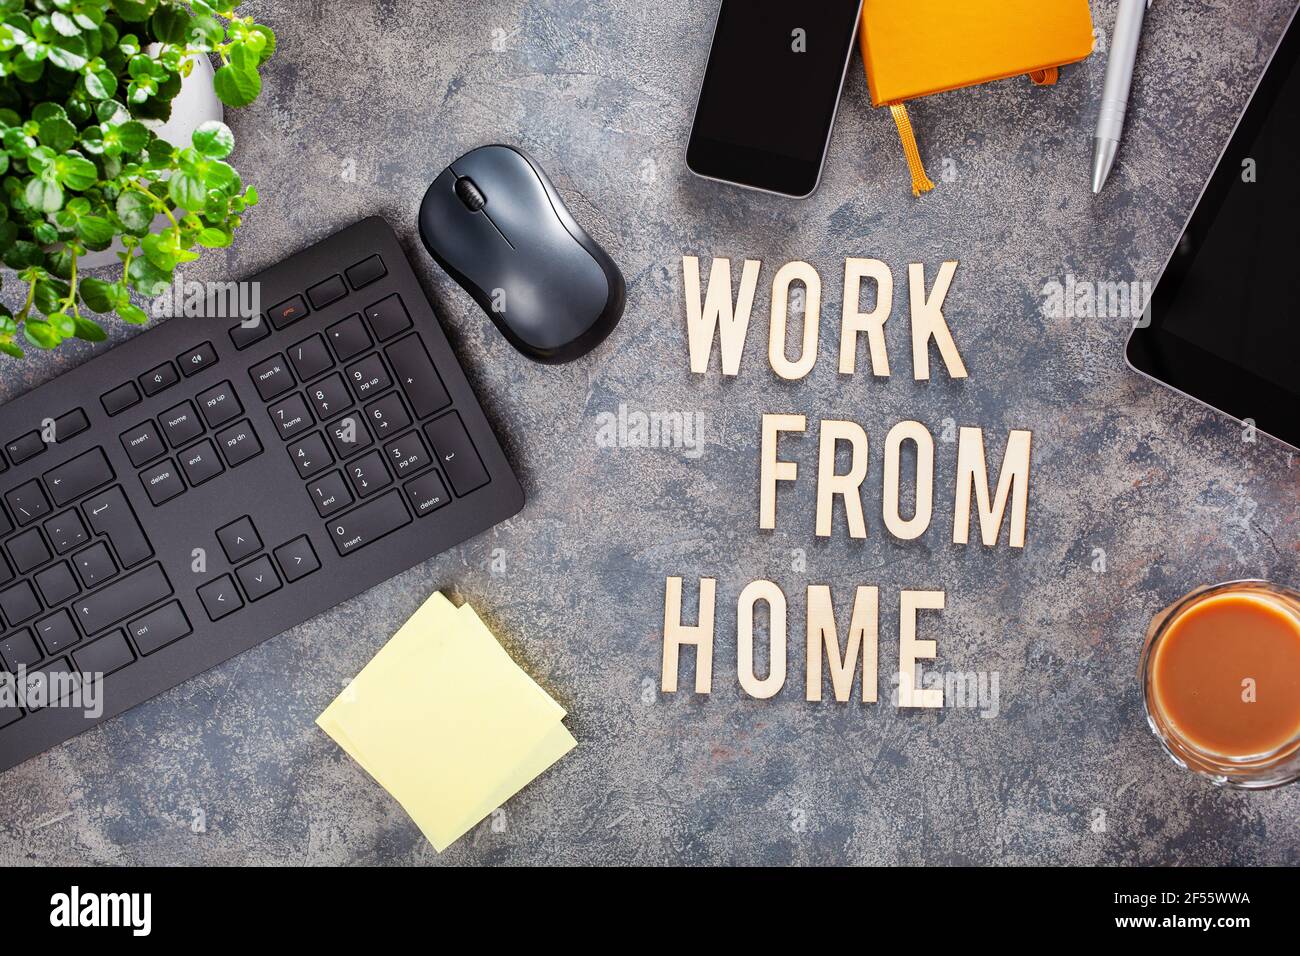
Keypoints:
pixel 1223 322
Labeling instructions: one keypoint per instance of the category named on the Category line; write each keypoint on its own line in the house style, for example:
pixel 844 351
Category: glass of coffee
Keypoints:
pixel 1221 683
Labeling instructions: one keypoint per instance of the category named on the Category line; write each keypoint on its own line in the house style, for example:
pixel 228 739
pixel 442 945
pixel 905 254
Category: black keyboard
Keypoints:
pixel 210 483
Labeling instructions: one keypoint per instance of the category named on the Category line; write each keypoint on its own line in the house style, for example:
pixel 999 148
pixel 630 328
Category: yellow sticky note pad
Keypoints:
pixel 446 722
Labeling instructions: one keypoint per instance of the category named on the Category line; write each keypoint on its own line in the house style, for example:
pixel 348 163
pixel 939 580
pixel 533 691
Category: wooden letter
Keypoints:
pixel 927 321
pixel 846 486
pixel 676 634
pixel 913 527
pixel 1013 480
pixel 775 598
pixel 716 312
pixel 771 470
pixel 812 316
pixel 853 322
pixel 863 637
pixel 910 649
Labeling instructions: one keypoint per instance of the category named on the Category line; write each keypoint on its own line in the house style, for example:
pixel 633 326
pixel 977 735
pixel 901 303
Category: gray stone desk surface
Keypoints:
pixel 366 101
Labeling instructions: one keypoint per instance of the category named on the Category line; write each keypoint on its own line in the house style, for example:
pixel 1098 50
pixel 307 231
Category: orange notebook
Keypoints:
pixel 913 48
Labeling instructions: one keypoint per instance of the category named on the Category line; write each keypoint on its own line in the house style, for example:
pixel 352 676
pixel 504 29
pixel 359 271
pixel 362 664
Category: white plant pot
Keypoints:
pixel 194 105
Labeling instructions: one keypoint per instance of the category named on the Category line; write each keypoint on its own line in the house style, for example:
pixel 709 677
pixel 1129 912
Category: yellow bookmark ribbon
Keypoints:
pixel 920 181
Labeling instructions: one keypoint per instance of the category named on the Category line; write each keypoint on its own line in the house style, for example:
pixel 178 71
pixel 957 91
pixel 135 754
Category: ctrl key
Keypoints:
pixel 159 628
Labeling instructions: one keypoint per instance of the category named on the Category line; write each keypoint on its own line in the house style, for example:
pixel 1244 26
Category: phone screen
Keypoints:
pixel 770 91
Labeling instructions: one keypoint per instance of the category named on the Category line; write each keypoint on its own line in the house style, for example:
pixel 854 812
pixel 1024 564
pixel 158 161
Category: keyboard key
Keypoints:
pixel 288 312
pixel 368 475
pixel 417 376
pixel 57 632
pixel 368 377
pixel 109 513
pixel 28 502
pixel 162 482
pixel 19 603
pixel 369 523
pixel 365 272
pixel 123 598
pixel 330 396
pixel 407 454
pixel 156 379
pixel 181 424
pixel 243 335
pixel 271 377
pixel 19 650
pixel 197 359
pixel 387 317
pixel 6 575
pixel 239 443
pixel 330 494
pixel 427 493
pixel 5 525
pixel 72 479
pixel 349 337
pixel 239 539
pixel 70 424
pixel 387 416
pixel 454 450
pixel 50 683
pixel 349 435
pixel 24 447
pixel 57 584
pixel 310 455
pixel 200 463
pixel 28 551
pixel 120 399
pixel 297 559
pixel 323 293
pixel 105 656
pixel 143 444
pixel 66 531
pixel 94 565
pixel 310 357
pixel 291 416
pixel 159 628
pixel 258 578
pixel 219 405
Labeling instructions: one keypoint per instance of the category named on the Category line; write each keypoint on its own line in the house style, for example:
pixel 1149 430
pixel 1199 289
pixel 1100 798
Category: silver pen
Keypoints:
pixel 1114 93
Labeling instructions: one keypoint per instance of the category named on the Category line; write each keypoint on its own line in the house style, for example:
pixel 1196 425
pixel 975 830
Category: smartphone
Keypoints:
pixel 767 103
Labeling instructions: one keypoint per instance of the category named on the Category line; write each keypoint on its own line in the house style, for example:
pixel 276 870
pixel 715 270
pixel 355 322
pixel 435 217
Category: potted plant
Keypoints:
pixel 84 84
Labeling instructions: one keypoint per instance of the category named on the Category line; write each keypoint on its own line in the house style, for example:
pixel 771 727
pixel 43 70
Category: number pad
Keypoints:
pixel 368 377
pixel 406 454
pixel 330 396
pixel 291 416
pixel 349 435
pixel 387 416
pixel 310 455
pixel 369 475
pixel 310 357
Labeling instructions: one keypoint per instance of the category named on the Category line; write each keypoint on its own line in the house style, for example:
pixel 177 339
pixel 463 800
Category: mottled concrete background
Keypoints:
pixel 367 101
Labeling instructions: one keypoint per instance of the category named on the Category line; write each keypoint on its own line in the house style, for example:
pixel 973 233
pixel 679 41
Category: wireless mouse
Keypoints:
pixel 495 223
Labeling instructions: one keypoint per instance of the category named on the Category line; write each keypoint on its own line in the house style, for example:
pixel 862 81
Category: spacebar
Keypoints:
pixel 120 600
pixel 370 522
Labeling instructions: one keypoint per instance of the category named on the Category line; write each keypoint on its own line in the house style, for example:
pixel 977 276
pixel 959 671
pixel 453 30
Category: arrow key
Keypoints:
pixel 258 578
pixel 239 539
pixel 297 559
pixel 220 597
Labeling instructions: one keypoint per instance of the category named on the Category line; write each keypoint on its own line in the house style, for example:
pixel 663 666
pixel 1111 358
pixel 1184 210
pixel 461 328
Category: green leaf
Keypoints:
pixel 98 295
pixel 133 314
pixel 64 24
pixel 88 329
pixel 43 195
pixel 147 278
pixel 63 324
pixel 236 87
pixel 171 24
pixel 135 211
pixel 269 35
pixel 95 231
pixel 69 54
pixel 23 254
pixel 213 238
pixel 133 135
pixel 76 172
pixel 214 139
pixel 41 334
pixel 101 84
pixel 135 11
pixel 188 191
pixel 10 349
pixel 57 133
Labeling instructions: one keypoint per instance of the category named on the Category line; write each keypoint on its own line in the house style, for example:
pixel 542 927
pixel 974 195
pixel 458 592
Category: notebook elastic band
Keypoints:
pixel 920 181
pixel 1045 77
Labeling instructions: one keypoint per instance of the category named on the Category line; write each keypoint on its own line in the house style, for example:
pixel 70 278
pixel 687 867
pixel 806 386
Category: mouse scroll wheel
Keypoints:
pixel 469 194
